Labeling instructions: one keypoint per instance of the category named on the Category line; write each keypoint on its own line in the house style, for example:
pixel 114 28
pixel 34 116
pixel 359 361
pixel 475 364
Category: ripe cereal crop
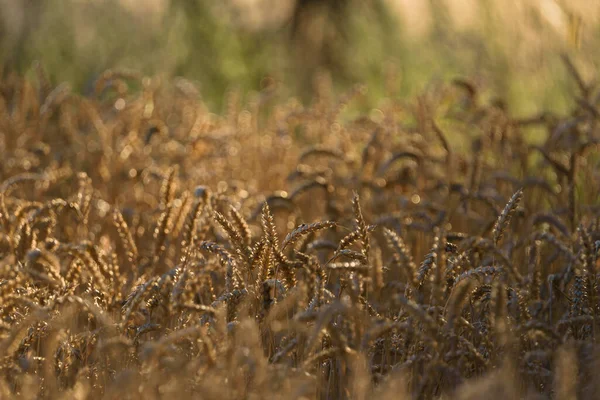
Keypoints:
pixel 151 248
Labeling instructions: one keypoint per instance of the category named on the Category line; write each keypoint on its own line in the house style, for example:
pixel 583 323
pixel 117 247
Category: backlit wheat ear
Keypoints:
pixel 234 235
pixel 125 236
pixel 586 248
pixel 6 187
pixel 459 296
pixel 305 229
pixel 377 273
pixel 504 219
pixel 183 205
pixel 135 299
pixel 241 226
pixel 162 231
pixel 420 315
pixel 270 231
pixel 190 227
pixel 439 249
pixel 43 263
pixel 402 255
pixel 268 225
pixel 167 189
pixel 361 226
pixel 226 258
pixel 428 264
pixel 352 238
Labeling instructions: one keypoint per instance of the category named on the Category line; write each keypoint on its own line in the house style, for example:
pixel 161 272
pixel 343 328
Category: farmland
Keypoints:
pixel 357 240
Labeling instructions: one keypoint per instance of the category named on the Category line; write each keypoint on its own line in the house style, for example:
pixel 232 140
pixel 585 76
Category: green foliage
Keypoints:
pixel 201 40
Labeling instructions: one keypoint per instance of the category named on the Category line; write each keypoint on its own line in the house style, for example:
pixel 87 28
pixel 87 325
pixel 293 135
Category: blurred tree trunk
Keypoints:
pixel 15 39
pixel 328 35
pixel 319 32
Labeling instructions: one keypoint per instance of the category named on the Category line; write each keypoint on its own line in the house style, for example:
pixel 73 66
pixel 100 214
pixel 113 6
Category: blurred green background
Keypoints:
pixel 510 47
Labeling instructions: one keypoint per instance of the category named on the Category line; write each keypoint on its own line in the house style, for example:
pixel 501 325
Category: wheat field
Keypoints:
pixel 428 249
